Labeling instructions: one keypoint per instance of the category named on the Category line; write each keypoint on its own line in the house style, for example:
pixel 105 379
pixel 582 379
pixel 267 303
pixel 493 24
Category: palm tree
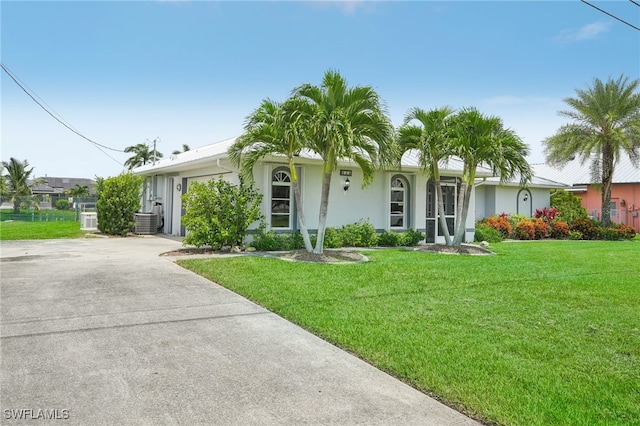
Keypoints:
pixel 78 191
pixel 431 138
pixel 185 148
pixel 607 125
pixel 344 124
pixel 273 128
pixel 482 140
pixel 142 155
pixel 18 181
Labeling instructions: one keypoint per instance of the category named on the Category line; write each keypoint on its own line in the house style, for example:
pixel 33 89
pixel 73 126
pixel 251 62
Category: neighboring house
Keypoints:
pixel 625 191
pixel 55 188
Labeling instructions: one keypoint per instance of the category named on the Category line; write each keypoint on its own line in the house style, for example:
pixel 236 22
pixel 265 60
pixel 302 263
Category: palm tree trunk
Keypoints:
pixel 299 208
pixel 441 219
pixel 462 209
pixel 607 181
pixel 322 218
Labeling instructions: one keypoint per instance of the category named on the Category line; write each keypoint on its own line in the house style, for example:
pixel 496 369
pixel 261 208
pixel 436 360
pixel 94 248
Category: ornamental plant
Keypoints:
pixel 559 230
pixel 499 223
pixel 541 228
pixel 524 230
pixel 547 214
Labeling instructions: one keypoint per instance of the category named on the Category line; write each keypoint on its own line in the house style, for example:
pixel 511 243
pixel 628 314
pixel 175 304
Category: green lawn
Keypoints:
pixel 39 230
pixel 545 333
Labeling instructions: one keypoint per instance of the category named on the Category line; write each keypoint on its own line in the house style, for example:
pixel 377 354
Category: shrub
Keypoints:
pixel 332 238
pixel 617 232
pixel 218 213
pixel 118 201
pixel 541 228
pixel 360 234
pixel 499 223
pixel 524 230
pixel 569 207
pixel 559 230
pixel 587 227
pixel 487 233
pixel 63 204
pixel 575 235
pixel 390 239
pixel 413 237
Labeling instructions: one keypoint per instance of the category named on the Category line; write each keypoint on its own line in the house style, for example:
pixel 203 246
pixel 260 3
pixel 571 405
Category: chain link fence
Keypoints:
pixel 38 208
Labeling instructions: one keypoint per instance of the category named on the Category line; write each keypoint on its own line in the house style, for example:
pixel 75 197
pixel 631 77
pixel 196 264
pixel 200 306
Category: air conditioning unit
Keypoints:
pixel 88 221
pixel 146 223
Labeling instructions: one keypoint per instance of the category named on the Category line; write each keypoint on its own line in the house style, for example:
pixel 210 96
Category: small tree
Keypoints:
pixel 218 213
pixel 118 200
pixel 569 206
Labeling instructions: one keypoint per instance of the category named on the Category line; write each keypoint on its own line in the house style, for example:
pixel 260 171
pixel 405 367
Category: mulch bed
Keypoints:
pixel 467 249
pixel 329 256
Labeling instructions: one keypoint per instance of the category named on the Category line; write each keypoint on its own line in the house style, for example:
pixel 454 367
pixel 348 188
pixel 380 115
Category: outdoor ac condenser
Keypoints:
pixel 88 221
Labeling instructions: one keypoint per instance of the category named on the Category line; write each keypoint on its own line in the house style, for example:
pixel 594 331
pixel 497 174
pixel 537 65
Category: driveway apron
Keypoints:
pixel 104 331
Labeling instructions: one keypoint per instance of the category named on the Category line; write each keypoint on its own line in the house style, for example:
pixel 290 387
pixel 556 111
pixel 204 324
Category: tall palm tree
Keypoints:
pixel 78 191
pixel 344 124
pixel 431 138
pixel 142 155
pixel 185 148
pixel 606 125
pixel 273 128
pixel 483 140
pixel 18 181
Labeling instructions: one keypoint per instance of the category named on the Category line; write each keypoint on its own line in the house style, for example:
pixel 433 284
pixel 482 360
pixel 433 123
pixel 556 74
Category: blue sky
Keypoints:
pixel 190 72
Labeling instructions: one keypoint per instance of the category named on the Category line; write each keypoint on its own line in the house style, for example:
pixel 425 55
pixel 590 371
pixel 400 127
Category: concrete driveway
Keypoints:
pixel 105 332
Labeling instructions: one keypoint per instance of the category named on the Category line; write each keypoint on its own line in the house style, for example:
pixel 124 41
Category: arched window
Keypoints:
pixel 280 198
pixel 399 202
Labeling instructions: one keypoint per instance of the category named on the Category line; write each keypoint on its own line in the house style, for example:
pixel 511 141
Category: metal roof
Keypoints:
pixel 576 173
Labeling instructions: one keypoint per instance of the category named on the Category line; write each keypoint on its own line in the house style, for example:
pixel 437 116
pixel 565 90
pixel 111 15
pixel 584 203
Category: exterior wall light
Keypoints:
pixel 347 184
pixel 526 197
pixel 623 202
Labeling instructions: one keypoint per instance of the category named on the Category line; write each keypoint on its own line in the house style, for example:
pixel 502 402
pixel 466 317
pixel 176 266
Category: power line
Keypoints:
pixel 40 104
pixel 635 2
pixel 613 16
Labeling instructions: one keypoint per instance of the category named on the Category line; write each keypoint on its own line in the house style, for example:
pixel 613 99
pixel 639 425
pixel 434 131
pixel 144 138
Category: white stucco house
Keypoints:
pixel 396 200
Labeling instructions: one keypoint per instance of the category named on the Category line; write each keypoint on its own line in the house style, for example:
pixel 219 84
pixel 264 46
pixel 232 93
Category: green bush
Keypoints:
pixel 487 233
pixel 400 239
pixel 270 241
pixel 118 201
pixel 413 237
pixel 332 238
pixel 360 234
pixel 515 219
pixel 63 204
pixel 218 213
pixel 569 207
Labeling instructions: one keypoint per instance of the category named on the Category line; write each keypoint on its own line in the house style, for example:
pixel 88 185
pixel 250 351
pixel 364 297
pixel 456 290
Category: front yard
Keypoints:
pixel 547 332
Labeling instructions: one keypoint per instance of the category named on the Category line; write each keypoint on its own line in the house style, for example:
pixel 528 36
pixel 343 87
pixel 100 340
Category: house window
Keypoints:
pixel 398 202
pixel 280 199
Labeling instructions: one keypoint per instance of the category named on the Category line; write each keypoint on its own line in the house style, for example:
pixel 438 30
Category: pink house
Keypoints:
pixel 625 191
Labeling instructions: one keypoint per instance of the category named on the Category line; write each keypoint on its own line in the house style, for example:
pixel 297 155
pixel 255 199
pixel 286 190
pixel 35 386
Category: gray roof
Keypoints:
pixel 57 185
pixel 203 155
pixel 536 182
pixel 575 173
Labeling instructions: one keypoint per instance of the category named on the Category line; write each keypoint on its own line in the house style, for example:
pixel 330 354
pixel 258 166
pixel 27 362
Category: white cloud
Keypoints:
pixel 587 32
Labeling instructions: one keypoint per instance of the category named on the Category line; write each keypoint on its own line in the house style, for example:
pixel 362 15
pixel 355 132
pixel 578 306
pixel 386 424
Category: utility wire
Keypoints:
pixel 613 16
pixel 635 2
pixel 40 104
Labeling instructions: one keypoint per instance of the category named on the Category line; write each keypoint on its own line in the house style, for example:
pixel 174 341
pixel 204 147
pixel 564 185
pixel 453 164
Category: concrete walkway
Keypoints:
pixel 105 332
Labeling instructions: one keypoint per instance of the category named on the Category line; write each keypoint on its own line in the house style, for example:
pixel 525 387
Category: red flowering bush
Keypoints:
pixel 499 223
pixel 524 230
pixel 547 214
pixel 559 230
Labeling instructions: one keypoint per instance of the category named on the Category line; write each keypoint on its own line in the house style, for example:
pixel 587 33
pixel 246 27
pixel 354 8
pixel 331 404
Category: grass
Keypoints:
pixel 544 333
pixel 39 230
